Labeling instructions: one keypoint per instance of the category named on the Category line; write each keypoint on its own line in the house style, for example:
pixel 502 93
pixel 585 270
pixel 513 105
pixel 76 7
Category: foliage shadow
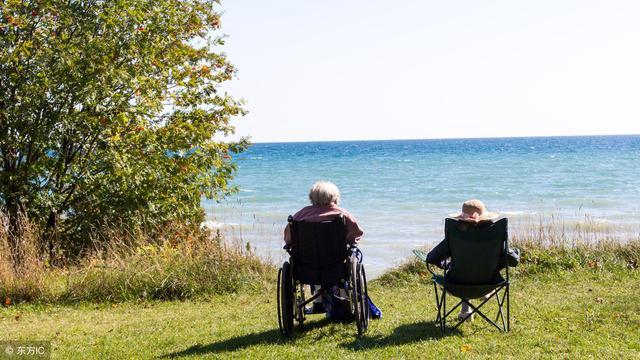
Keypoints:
pixel 272 336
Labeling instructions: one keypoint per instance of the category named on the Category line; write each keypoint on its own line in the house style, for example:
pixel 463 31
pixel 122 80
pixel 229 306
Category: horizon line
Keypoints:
pixel 442 138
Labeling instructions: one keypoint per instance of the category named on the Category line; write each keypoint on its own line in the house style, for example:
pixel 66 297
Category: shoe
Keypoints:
pixel 462 315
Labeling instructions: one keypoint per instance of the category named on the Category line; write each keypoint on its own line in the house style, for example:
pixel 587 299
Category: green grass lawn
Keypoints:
pixel 569 314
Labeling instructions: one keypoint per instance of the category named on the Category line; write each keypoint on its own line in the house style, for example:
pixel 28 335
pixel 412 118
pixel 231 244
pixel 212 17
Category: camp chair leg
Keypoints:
pixel 508 315
pixel 443 313
pixel 500 314
pixel 475 310
pixel 466 317
pixel 443 319
pixel 454 308
pixel 438 302
pixel 441 305
pixel 444 324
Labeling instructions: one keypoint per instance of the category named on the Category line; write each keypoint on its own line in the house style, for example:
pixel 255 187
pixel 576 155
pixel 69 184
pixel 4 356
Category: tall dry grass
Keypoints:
pixel 172 262
pixel 29 280
pixel 551 242
pixel 554 230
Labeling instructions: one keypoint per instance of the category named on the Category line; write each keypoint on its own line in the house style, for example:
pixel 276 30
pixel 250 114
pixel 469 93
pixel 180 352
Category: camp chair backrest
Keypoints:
pixel 476 251
pixel 318 251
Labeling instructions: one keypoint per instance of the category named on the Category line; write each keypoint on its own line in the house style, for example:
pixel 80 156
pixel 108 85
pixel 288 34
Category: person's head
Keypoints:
pixel 475 210
pixel 324 193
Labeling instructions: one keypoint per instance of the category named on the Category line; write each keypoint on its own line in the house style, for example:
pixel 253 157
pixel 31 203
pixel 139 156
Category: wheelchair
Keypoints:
pixel 319 255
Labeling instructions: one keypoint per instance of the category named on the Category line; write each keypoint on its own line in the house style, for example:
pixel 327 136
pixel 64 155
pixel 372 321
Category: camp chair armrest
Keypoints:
pixel 430 268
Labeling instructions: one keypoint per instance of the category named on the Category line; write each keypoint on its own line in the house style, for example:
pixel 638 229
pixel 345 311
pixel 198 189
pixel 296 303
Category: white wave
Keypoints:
pixel 210 224
pixel 247 190
pixel 514 212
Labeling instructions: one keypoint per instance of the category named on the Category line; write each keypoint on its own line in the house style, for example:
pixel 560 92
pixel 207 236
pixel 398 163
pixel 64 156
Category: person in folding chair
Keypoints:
pixel 473 252
pixel 321 240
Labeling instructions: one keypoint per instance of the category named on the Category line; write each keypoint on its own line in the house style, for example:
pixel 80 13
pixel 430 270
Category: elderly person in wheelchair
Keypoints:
pixel 325 197
pixel 321 241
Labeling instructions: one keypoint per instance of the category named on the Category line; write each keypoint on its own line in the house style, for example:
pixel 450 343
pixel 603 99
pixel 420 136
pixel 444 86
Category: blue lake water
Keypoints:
pixel 400 191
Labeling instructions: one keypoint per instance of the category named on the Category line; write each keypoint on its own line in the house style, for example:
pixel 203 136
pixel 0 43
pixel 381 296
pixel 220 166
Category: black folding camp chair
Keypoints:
pixel 478 252
pixel 320 255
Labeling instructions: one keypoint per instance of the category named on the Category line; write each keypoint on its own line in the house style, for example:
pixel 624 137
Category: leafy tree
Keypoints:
pixel 109 114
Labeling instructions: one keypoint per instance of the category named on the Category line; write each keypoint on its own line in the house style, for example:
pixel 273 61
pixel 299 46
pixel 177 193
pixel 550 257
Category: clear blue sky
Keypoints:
pixel 341 70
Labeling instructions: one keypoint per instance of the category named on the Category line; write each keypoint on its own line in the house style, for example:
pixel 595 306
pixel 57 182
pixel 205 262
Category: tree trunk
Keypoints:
pixel 50 236
pixel 17 221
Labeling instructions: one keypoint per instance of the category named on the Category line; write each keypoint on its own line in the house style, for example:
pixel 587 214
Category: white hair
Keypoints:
pixel 324 193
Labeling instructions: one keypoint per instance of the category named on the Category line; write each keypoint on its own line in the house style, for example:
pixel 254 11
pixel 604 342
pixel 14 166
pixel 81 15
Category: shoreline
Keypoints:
pixel 384 253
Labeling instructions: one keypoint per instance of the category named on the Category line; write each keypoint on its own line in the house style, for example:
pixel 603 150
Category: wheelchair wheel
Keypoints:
pixel 285 299
pixel 364 303
pixel 359 296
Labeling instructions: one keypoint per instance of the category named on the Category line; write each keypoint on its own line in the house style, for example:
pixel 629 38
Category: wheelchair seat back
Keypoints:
pixel 319 251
